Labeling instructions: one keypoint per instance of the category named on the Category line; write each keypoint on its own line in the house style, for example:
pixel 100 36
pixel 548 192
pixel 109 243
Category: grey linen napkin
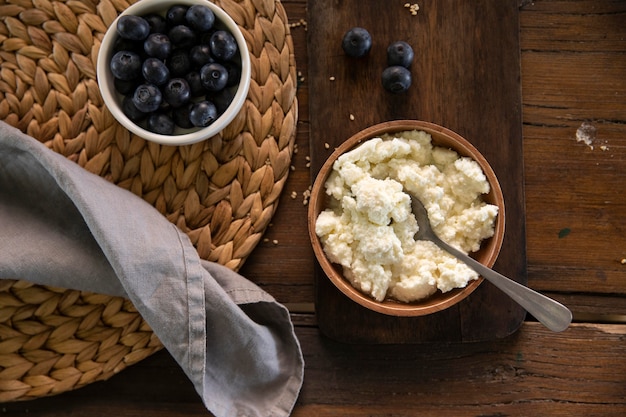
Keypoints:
pixel 63 226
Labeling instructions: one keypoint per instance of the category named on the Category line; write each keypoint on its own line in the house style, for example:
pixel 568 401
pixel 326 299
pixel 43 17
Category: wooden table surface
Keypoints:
pixel 573 78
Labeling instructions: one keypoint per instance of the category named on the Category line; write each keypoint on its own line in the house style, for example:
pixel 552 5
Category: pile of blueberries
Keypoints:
pixel 180 69
pixel 396 77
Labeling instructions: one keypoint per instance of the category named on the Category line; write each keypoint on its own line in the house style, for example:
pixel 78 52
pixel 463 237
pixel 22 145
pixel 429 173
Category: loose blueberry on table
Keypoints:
pixel 178 69
pixel 400 53
pixel 356 42
pixel 396 79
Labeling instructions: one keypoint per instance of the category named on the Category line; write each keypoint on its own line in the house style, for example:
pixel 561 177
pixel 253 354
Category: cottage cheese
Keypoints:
pixel 369 228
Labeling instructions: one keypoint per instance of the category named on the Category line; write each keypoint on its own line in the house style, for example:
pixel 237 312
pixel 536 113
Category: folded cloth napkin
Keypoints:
pixel 63 226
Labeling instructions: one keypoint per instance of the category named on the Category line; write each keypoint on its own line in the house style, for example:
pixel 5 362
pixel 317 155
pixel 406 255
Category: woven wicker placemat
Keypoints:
pixel 221 192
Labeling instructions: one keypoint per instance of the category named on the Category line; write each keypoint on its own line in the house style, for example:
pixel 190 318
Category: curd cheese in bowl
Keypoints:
pixel 362 227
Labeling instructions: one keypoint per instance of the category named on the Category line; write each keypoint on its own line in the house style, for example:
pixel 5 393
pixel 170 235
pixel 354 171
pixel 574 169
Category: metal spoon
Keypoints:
pixel 552 314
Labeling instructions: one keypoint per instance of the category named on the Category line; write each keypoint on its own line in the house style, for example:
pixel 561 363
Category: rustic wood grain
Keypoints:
pixel 580 372
pixel 574 72
pixel 534 372
pixel 466 78
pixel 601 307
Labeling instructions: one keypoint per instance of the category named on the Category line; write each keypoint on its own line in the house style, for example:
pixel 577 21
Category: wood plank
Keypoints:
pixel 466 77
pixel 593 307
pixel 534 372
pixel 578 372
pixel 588 26
pixel 487 410
pixel 574 72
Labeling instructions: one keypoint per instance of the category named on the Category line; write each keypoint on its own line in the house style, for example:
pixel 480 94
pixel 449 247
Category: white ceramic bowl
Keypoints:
pixel 113 99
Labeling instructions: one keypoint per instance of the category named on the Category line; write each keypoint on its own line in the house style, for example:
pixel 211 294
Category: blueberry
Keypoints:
pixel 205 37
pixel 158 45
pixel 157 23
pixel 124 86
pixel 223 45
pixel 396 79
pixel 179 63
pixel 175 15
pixel 200 55
pixel 356 42
pixel 180 115
pixel 122 44
pixel 176 92
pixel 195 84
pixel 203 114
pixel 221 99
pixel 176 70
pixel 160 123
pixel 234 73
pixel 131 111
pixel 214 76
pixel 134 28
pixel 200 17
pixel 147 98
pixel 182 36
pixel 155 71
pixel 400 53
pixel 126 65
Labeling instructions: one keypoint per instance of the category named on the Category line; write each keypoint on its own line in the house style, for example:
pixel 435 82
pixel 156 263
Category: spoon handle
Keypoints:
pixel 552 314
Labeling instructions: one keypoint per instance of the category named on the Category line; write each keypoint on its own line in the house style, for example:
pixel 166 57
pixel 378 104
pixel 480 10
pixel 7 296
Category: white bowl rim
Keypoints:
pixel 105 79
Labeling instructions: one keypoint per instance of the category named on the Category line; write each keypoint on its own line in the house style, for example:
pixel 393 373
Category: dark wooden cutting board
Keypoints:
pixel 466 77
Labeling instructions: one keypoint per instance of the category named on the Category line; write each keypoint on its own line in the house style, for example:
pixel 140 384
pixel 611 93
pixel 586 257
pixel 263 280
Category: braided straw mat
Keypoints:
pixel 222 192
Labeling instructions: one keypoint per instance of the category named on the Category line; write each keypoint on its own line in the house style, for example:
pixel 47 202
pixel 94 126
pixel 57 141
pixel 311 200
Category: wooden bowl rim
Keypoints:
pixel 487 255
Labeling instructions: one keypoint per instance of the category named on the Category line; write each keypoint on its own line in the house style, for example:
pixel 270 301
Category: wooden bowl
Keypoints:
pixel 486 255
